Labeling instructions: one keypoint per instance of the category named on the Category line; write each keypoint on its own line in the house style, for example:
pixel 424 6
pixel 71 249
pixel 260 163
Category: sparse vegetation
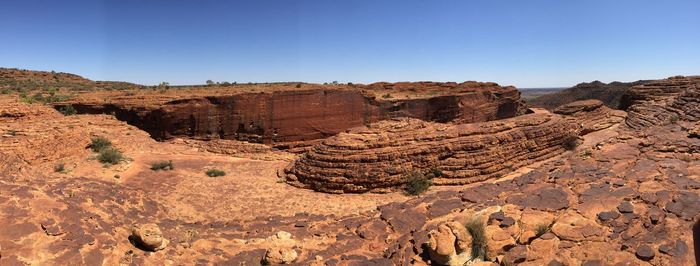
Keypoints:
pixel 59 168
pixel 477 229
pixel 436 171
pixel 68 110
pixel 110 155
pixel 11 132
pixel 571 143
pixel 98 144
pixel 541 229
pixel 387 96
pixel 215 173
pixel 417 183
pixel 298 85
pixel 162 165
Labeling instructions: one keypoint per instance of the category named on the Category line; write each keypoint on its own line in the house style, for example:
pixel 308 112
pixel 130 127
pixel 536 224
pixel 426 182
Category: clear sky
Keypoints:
pixel 534 43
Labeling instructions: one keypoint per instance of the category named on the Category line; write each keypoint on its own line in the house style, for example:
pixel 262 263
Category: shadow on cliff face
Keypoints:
pixel 696 240
pixel 298 116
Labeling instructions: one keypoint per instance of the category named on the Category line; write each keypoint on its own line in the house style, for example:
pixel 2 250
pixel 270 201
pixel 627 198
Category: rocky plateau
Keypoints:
pixel 314 175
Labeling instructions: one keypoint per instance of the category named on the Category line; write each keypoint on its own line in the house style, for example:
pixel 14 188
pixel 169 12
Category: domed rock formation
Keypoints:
pixel 662 102
pixel 376 157
pixel 593 115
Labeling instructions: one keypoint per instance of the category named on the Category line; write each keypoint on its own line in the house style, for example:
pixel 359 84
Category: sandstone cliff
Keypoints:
pixel 286 117
pixel 662 102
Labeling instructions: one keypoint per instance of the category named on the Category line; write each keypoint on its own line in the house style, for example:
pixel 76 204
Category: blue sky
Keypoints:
pixel 534 43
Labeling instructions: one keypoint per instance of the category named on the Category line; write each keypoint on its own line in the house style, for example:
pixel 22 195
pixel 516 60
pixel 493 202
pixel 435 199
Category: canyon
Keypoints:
pixel 287 118
pixel 314 175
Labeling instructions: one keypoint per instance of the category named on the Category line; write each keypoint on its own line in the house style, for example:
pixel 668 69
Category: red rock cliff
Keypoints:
pixel 287 117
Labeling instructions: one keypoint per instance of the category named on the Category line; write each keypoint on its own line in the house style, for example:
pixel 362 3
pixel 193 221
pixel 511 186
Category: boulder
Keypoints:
pixel 449 244
pixel 279 255
pixel 148 237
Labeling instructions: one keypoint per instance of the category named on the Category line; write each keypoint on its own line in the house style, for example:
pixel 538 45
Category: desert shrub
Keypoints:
pixel 11 132
pixel 436 171
pixel 162 165
pixel 98 144
pixel 6 91
pixel 215 173
pixel 387 96
pixel 59 168
pixel 541 229
pixel 477 229
pixel 417 183
pixel 68 110
pixel 110 155
pixel 571 143
pixel 298 85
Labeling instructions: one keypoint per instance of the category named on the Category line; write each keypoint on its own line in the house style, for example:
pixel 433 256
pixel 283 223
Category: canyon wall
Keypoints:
pixel 662 102
pixel 287 118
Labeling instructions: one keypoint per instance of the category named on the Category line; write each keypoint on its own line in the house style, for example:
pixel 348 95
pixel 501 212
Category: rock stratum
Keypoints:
pixel 608 93
pixel 592 115
pixel 663 102
pixel 378 156
pixel 286 117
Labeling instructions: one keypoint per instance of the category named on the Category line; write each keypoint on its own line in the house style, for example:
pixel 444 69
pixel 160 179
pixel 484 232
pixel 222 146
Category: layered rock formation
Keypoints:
pixel 663 102
pixel 378 156
pixel 593 115
pixel 286 116
pixel 608 93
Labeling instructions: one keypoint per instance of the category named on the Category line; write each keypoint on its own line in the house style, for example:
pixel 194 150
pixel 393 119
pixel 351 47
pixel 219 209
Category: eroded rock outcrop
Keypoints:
pixel 662 102
pixel 148 237
pixel 287 116
pixel 376 157
pixel 593 115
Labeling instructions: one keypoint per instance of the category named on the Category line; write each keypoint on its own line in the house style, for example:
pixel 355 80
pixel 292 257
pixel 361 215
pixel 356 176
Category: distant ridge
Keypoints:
pixel 608 93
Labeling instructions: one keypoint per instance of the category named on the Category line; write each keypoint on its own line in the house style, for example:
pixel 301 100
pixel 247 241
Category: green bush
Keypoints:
pixel 387 96
pixel 68 110
pixel 97 144
pixel 417 183
pixel 162 165
pixel 215 173
pixel 477 229
pixel 110 155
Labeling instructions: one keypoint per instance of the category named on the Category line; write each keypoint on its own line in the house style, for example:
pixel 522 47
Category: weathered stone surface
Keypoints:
pixel 450 244
pixel 625 207
pixel 377 156
pixel 280 255
pixel 591 114
pixel 148 237
pixel 607 216
pixel 572 226
pixel 695 131
pixel 541 199
pixel 662 102
pixel 645 253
